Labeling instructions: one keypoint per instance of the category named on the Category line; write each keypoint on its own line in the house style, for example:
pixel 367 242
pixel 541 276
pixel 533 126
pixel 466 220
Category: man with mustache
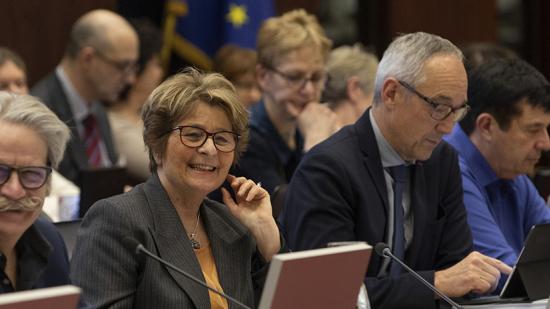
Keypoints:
pixel 389 178
pixel 32 142
pixel 499 142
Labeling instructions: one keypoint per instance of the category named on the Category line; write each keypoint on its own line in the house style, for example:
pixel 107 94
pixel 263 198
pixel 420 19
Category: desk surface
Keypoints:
pixel 539 304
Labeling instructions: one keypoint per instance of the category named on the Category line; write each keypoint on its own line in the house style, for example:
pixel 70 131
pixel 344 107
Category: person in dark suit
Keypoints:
pixel 99 62
pixel 32 140
pixel 344 189
pixel 195 129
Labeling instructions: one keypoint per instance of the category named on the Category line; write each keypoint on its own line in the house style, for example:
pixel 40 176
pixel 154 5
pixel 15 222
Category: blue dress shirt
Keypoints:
pixel 500 212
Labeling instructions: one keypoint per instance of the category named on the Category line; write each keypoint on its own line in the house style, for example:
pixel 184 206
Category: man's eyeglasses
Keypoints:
pixel 30 177
pixel 194 137
pixel 440 111
pixel 299 80
pixel 125 67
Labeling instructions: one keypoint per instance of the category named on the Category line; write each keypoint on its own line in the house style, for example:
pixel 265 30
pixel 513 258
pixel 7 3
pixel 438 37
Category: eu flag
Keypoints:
pixel 201 27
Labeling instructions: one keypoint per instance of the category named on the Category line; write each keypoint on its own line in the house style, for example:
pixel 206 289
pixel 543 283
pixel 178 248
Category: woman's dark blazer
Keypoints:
pixel 112 275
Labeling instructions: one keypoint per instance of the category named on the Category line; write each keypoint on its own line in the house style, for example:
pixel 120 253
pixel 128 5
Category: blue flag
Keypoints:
pixel 201 27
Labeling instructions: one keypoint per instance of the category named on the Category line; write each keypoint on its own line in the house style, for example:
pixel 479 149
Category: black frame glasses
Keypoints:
pixel 440 111
pixel 194 137
pixel 125 67
pixel 30 177
pixel 299 81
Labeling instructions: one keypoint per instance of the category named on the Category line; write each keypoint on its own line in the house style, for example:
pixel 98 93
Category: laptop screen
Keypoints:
pixel 320 278
pixel 531 274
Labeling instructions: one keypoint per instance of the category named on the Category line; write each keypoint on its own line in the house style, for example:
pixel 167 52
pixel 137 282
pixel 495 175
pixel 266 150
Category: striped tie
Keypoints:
pixel 91 141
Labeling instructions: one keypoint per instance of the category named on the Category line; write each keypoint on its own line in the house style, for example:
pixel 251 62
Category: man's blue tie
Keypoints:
pixel 399 175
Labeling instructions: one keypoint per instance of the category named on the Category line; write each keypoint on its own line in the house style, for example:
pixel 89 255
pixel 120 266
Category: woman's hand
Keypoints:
pixel 252 208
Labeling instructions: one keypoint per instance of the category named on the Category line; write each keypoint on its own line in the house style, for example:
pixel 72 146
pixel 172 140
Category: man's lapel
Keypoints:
pixel 369 147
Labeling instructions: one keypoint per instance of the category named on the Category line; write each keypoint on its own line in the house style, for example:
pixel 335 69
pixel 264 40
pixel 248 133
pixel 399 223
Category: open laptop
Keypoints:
pixel 530 278
pixel 60 297
pixel 319 278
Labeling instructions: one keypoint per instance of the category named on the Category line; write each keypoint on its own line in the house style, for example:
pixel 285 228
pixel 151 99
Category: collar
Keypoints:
pixel 77 103
pixel 32 255
pixel 478 165
pixel 388 155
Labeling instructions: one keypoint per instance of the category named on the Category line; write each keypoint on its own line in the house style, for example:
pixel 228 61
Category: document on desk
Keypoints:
pixel 539 304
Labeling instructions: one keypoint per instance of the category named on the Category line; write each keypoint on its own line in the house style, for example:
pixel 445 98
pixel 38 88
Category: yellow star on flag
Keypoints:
pixel 237 15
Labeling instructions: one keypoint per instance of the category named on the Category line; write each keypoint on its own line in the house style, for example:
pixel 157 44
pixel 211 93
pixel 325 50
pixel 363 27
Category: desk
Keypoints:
pixel 539 304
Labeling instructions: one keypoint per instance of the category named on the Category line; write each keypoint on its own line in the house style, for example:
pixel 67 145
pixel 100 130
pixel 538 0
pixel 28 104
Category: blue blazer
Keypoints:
pixel 338 193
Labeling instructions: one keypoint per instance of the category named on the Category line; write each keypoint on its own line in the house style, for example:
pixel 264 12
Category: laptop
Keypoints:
pixel 319 278
pixel 530 278
pixel 60 297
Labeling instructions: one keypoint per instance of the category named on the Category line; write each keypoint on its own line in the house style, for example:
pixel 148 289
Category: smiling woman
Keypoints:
pixel 195 128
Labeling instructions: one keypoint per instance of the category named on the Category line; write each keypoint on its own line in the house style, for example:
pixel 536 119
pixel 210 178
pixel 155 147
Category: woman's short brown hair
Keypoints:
pixel 174 100
pixel 233 62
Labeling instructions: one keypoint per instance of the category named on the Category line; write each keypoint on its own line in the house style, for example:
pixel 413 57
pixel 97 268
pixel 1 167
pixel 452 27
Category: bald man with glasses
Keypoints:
pixel 99 62
pixel 389 178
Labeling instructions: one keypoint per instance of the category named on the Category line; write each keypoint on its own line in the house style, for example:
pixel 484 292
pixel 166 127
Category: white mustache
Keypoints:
pixel 24 204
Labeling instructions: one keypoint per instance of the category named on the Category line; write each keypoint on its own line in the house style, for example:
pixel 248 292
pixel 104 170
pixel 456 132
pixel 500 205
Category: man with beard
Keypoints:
pixel 32 141
pixel 99 61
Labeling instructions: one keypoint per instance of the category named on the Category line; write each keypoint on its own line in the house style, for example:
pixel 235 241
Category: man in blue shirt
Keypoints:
pixel 499 141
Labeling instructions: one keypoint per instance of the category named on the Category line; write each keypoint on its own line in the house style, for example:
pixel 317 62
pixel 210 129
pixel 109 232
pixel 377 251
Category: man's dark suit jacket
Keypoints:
pixel 113 276
pixel 50 91
pixel 339 193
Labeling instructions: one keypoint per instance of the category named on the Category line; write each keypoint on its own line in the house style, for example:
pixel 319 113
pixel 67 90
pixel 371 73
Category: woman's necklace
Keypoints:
pixel 193 236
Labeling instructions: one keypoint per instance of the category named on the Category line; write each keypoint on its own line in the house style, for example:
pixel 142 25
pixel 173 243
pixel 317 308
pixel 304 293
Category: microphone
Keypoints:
pixel 140 249
pixel 384 251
